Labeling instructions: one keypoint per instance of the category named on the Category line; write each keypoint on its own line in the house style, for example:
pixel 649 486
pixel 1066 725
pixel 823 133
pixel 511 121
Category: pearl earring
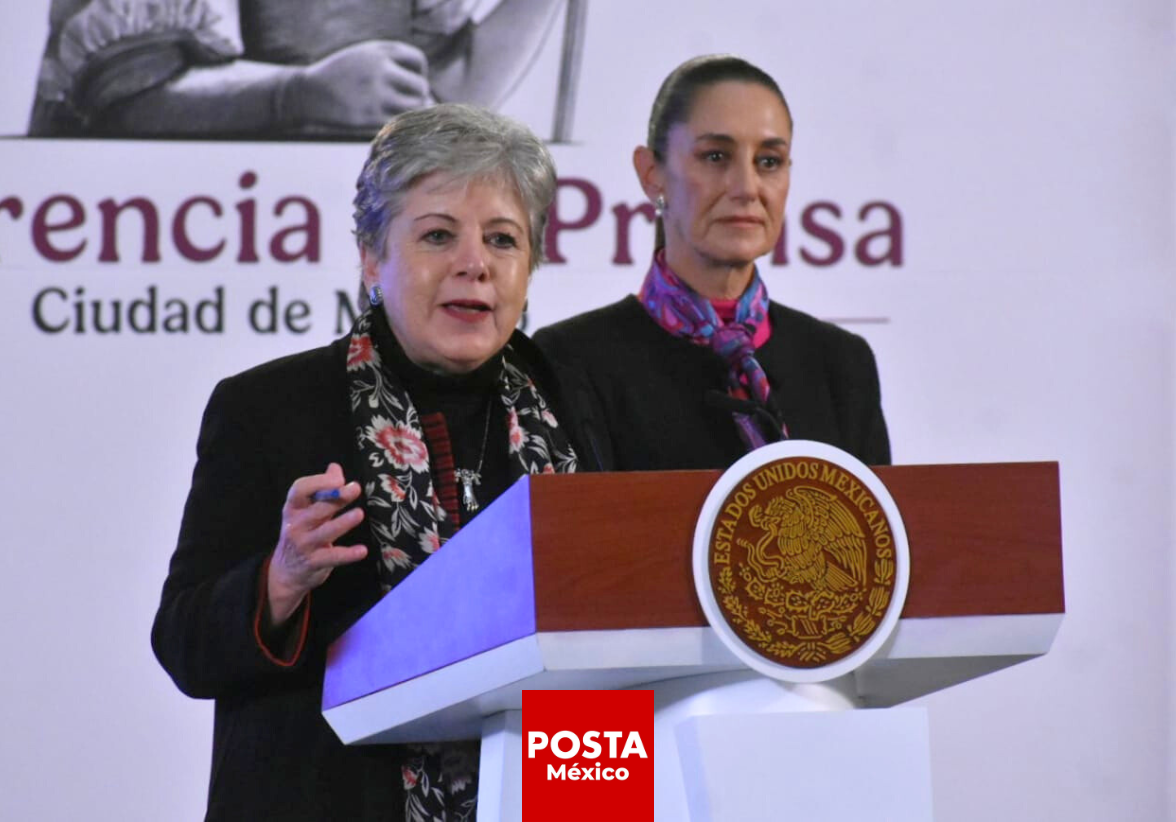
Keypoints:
pixel 376 295
pixel 659 204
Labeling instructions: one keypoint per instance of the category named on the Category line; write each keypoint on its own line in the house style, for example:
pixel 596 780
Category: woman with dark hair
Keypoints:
pixel 700 366
pixel 323 479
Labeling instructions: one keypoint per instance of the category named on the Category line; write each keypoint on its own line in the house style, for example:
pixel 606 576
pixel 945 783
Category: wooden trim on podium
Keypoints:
pixel 984 539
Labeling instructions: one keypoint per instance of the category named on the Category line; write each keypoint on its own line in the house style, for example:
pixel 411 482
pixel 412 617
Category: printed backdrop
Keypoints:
pixel 983 190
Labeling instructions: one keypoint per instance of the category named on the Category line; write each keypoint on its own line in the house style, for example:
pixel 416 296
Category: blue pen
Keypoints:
pixel 326 496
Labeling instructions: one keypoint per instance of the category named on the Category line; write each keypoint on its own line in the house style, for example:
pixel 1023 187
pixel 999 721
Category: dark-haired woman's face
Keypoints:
pixel 726 176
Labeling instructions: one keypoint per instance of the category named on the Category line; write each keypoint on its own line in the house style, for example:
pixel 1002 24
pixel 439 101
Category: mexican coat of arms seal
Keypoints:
pixel 800 560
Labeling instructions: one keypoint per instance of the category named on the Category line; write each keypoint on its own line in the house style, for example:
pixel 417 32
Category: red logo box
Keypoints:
pixel 587 756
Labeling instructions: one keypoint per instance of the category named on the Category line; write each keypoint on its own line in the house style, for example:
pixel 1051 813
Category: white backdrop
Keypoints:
pixel 1029 151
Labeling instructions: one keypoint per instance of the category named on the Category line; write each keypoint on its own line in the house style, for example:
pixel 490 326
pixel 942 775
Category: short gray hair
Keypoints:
pixel 465 142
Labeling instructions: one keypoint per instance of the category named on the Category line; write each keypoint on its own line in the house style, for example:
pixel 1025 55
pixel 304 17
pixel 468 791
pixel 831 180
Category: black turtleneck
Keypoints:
pixel 463 401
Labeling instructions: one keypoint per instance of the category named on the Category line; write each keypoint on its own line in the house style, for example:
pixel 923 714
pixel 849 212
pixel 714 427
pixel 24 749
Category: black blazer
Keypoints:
pixel 652 387
pixel 274 757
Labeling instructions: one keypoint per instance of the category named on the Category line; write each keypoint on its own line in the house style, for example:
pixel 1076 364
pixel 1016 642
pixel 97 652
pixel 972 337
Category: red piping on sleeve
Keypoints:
pixel 304 609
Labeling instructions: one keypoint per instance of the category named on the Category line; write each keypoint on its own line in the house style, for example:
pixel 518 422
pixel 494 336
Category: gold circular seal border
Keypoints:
pixel 801 561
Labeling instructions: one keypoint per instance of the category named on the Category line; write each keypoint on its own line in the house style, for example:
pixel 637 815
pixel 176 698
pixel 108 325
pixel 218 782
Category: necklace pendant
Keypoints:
pixel 468 480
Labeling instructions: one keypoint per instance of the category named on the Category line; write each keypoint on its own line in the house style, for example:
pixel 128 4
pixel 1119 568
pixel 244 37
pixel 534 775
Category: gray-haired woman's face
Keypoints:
pixel 455 271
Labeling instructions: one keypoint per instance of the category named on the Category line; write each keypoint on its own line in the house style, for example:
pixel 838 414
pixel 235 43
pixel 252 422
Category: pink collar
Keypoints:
pixel 726 311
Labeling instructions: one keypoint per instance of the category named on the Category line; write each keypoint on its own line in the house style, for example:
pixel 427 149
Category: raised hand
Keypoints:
pixel 306 552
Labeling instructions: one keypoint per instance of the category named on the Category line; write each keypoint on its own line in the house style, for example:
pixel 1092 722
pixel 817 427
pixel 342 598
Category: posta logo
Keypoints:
pixel 587 756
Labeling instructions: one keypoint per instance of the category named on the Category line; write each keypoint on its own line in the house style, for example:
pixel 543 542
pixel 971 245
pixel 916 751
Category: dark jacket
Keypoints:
pixel 657 392
pixel 274 757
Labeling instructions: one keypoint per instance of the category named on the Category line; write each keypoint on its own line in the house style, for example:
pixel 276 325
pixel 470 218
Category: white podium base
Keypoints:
pixel 737 746
pixel 500 768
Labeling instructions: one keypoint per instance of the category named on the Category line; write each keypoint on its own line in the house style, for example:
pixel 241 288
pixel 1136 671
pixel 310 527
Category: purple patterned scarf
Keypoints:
pixel 683 312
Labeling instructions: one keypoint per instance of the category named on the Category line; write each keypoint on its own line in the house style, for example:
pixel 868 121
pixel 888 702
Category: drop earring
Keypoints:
pixel 659 205
pixel 376 295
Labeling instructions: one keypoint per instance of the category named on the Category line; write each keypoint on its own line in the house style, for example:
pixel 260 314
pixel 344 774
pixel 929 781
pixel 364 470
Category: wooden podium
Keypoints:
pixel 585 581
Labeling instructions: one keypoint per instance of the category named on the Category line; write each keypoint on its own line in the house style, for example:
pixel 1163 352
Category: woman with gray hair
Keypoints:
pixel 374 450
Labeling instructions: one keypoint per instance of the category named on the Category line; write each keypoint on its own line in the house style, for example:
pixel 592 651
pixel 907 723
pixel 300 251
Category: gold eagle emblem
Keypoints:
pixel 810 538
pixel 801 566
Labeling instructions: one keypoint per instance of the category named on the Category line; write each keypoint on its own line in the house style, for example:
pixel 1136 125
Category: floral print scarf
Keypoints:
pixel 409 523
pixel 406 517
